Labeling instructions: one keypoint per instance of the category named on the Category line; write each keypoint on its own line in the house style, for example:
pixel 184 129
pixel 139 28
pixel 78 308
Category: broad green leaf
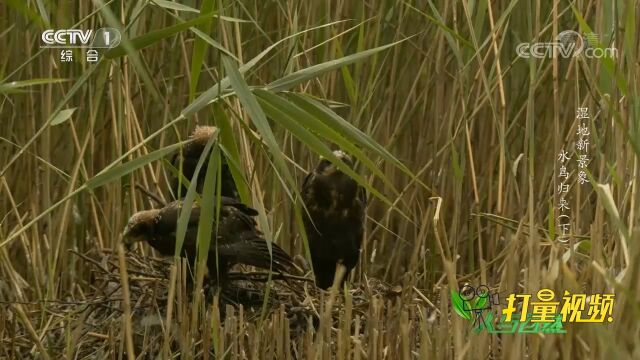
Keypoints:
pixel 257 116
pixel 300 76
pixel 184 182
pixel 14 86
pixel 301 133
pixel 255 112
pixel 274 106
pixel 333 120
pixel 229 147
pixel 187 204
pixel 153 37
pixel 211 187
pixel 199 49
pixel 62 116
pixel 349 84
pixel 174 6
pixel 203 36
pixel 449 34
pixel 180 7
pixel 352 133
pixel 141 69
pixel 213 92
pixel 121 170
pixel 318 127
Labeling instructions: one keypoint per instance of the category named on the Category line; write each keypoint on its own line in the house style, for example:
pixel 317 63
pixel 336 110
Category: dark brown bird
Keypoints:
pixel 238 240
pixel 335 223
pixel 189 157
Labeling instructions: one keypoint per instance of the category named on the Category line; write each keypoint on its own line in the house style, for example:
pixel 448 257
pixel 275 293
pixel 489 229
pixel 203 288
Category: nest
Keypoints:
pixel 93 318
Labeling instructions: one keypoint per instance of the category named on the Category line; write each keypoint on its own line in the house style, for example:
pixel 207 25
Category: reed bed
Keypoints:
pixel 457 141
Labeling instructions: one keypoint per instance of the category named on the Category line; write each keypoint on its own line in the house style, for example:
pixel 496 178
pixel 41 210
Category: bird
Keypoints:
pixel 189 157
pixel 238 241
pixel 334 220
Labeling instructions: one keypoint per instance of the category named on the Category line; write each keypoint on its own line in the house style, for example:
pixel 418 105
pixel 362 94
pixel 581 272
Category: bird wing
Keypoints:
pixel 238 239
pixel 255 252
pixel 168 217
pixel 247 210
pixel 170 213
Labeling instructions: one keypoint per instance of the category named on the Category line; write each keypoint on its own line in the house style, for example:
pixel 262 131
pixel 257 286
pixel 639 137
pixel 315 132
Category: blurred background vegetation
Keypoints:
pixel 458 135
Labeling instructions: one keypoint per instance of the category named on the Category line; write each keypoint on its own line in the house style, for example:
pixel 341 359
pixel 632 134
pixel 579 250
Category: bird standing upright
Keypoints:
pixel 189 157
pixel 335 220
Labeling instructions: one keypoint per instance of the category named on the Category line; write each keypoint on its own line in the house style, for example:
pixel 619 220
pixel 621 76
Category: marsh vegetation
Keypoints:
pixel 455 137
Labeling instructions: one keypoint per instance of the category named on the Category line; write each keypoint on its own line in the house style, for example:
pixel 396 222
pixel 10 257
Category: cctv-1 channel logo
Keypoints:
pixel 74 38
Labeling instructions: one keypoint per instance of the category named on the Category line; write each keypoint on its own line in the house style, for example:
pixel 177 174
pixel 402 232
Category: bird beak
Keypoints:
pixel 332 168
pixel 127 239
pixel 345 158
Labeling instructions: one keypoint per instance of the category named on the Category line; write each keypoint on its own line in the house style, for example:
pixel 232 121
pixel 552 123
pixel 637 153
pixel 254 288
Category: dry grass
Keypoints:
pixel 479 127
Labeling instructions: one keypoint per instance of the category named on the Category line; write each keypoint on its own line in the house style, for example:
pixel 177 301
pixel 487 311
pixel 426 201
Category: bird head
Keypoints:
pixel 197 142
pixel 140 227
pixel 201 135
pixel 327 168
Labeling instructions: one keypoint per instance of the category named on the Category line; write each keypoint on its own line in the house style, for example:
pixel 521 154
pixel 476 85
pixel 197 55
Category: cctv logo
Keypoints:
pixel 73 38
pixel 66 37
